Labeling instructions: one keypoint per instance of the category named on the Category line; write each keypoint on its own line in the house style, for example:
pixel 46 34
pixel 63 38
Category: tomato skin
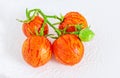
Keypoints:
pixel 68 49
pixel 29 28
pixel 71 19
pixel 36 50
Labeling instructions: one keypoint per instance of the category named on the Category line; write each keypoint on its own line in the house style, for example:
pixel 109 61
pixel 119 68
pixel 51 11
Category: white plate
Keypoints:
pixel 101 59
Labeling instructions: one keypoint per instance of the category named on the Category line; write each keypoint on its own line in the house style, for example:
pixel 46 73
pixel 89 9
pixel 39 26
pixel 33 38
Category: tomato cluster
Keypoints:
pixel 67 47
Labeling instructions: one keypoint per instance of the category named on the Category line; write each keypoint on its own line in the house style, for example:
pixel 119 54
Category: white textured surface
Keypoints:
pixel 102 55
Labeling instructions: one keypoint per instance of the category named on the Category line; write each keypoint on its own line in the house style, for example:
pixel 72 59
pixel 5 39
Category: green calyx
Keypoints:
pixel 86 35
pixel 30 15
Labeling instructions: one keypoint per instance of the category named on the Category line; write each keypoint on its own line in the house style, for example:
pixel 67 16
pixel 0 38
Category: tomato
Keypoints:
pixel 68 49
pixel 71 19
pixel 29 28
pixel 36 50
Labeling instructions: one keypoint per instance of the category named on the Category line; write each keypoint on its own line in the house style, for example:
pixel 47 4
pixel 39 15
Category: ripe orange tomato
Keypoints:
pixel 36 50
pixel 68 49
pixel 29 28
pixel 71 19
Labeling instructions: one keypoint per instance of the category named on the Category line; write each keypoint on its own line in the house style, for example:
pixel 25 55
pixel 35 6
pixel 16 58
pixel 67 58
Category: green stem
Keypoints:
pixel 51 36
pixel 56 30
pixel 32 10
pixel 42 29
pixel 45 19
pixel 56 23
pixel 54 16
pixel 27 14
pixel 75 32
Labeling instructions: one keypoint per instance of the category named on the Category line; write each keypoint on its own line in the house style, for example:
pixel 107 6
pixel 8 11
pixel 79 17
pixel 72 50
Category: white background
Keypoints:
pixel 102 54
